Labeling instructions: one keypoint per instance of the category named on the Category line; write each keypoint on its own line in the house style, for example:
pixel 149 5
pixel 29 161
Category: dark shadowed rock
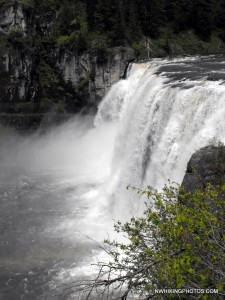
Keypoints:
pixel 37 73
pixel 205 166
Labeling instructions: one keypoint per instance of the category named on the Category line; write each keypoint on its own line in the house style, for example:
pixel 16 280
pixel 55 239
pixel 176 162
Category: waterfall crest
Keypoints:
pixel 59 187
pixel 161 122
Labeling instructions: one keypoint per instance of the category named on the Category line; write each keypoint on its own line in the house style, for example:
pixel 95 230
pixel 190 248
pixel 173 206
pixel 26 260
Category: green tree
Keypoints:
pixel 204 18
pixel 151 15
pixel 183 14
pixel 178 243
pixel 133 22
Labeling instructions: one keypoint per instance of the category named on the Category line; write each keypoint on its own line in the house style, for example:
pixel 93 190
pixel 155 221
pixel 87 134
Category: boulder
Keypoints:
pixel 207 165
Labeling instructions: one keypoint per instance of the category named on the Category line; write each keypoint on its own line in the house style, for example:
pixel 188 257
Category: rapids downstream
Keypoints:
pixel 61 190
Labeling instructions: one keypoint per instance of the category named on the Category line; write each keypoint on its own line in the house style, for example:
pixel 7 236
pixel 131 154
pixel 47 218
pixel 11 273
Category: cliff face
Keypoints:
pixel 37 74
pixel 12 16
pixel 205 166
pixel 76 69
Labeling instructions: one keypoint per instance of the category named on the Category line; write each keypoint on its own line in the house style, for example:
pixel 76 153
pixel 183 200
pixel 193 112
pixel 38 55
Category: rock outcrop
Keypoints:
pixel 36 73
pixel 76 68
pixel 205 166
pixel 12 16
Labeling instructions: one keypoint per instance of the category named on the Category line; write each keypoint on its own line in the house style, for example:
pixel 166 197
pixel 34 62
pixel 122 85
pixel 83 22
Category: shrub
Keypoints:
pixel 179 243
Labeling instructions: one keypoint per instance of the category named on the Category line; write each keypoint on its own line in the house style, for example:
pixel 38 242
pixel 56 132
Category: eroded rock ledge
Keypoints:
pixel 207 165
pixel 36 73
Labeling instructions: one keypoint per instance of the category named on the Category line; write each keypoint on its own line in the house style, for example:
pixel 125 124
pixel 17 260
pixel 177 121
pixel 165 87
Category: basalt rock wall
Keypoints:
pixel 37 74
pixel 206 166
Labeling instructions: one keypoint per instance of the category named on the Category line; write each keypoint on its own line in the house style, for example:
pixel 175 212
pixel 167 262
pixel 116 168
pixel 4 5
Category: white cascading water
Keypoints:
pixel 160 125
pixel 72 181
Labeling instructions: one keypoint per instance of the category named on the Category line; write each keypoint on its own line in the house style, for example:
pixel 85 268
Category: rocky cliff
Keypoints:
pixel 38 75
pixel 205 166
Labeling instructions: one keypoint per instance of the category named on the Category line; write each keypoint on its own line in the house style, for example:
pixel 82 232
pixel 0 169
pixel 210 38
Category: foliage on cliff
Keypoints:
pixel 97 24
pixel 179 243
pixel 36 35
pixel 124 22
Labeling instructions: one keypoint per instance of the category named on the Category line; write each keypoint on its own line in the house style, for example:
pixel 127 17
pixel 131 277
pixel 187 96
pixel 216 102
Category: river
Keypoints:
pixel 60 190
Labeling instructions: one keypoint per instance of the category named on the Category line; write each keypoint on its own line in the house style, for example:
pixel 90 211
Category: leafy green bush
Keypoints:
pixel 46 74
pixel 98 47
pixel 27 4
pixel 63 40
pixel 15 38
pixel 15 33
pixel 82 87
pixel 178 243
pixel 138 48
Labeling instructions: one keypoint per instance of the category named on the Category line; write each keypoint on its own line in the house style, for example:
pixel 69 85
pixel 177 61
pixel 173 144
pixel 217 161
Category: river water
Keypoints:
pixel 61 190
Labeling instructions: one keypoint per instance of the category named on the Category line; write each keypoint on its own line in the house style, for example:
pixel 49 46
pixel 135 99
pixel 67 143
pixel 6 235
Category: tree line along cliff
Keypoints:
pixel 70 52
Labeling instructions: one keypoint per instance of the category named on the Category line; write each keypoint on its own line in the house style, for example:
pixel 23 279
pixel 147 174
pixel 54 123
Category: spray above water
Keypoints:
pixel 144 133
pixel 59 187
pixel 163 118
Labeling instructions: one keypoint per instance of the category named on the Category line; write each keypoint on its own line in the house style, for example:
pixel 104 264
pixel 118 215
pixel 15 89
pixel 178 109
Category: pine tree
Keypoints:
pixel 133 22
pixel 183 15
pixel 151 13
pixel 204 18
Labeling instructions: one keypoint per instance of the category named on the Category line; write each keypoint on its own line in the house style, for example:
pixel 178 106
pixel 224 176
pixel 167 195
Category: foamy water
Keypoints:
pixel 62 190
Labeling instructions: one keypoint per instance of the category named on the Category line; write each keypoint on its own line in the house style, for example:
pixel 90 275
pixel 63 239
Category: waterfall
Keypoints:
pixel 161 123
pixel 62 185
